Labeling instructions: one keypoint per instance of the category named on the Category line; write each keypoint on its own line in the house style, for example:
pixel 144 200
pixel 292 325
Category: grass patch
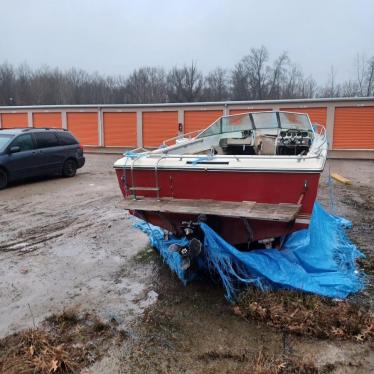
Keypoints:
pixel 64 343
pixel 145 256
pixel 68 318
pixel 263 363
pixel 306 314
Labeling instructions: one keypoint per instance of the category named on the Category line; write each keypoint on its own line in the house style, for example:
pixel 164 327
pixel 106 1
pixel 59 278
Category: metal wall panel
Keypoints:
pixel 84 126
pixel 199 119
pixel 51 119
pixel 354 128
pixel 119 129
pixel 159 126
pixel 9 120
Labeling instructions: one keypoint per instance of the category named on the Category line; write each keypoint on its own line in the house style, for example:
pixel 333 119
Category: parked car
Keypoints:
pixel 33 152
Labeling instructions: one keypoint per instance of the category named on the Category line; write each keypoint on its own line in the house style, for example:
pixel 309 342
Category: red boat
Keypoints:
pixel 252 177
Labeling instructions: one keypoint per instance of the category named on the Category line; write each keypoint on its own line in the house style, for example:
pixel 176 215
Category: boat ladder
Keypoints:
pixel 134 189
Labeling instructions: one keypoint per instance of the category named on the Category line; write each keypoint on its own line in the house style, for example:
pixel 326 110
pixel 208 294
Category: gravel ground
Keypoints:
pixel 66 243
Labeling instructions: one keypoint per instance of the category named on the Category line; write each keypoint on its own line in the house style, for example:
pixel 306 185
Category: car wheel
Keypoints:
pixel 3 179
pixel 69 168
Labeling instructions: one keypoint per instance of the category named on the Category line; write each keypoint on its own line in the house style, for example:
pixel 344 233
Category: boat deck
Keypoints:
pixel 244 209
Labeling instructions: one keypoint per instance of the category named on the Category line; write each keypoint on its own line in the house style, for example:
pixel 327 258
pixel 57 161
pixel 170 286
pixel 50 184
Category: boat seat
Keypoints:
pixel 266 145
pixel 219 150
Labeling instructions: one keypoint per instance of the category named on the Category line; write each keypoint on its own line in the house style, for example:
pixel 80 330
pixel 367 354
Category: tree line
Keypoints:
pixel 254 77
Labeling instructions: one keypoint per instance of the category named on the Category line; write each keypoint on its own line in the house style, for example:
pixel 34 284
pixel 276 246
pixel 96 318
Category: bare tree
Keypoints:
pixel 360 71
pixel 250 76
pixel 239 83
pixel 331 89
pixel 350 89
pixel 278 76
pixel 255 67
pixel 7 84
pixel 254 77
pixel 216 88
pixel 308 87
pixel 146 85
pixel 185 84
pixel 370 77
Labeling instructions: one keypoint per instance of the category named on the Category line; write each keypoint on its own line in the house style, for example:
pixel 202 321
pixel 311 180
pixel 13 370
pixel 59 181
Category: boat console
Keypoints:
pixel 286 142
pixel 293 142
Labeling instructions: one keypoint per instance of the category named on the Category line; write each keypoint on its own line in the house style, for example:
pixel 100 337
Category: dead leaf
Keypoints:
pixel 237 311
pixel 54 366
pixel 281 366
pixel 31 350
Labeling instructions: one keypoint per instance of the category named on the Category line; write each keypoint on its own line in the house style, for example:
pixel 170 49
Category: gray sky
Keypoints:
pixel 116 36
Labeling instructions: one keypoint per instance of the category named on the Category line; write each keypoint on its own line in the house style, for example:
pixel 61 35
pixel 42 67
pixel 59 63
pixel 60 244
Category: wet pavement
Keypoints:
pixel 67 243
pixel 64 242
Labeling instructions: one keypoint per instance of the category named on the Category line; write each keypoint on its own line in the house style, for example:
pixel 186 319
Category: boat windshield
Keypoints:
pixel 291 120
pixel 4 140
pixel 260 120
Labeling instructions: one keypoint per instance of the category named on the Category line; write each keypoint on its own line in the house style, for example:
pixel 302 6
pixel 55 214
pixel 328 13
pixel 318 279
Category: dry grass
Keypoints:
pixel 263 363
pixel 306 314
pixel 65 343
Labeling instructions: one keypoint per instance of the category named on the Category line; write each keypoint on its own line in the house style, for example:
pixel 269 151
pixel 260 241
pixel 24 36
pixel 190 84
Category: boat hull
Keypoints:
pixel 270 187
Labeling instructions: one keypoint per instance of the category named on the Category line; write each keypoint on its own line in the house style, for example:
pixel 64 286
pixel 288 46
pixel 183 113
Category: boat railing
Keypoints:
pixel 321 131
pixel 135 152
pixel 139 152
pixel 188 136
pixel 235 157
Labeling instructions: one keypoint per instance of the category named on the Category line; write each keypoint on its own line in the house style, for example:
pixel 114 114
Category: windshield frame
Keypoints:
pixel 219 123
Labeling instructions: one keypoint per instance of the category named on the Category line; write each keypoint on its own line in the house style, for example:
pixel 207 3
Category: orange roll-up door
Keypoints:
pixel 9 120
pixel 159 126
pixel 47 120
pixel 354 128
pixel 199 119
pixel 316 115
pixel 84 127
pixel 119 129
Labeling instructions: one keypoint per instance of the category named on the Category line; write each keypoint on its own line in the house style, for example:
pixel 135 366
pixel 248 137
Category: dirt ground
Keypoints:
pixel 67 243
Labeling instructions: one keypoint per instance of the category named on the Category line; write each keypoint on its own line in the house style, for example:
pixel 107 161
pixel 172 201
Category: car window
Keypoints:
pixel 46 139
pixel 24 142
pixel 66 138
pixel 4 140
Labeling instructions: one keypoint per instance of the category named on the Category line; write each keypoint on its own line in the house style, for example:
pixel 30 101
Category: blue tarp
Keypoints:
pixel 319 260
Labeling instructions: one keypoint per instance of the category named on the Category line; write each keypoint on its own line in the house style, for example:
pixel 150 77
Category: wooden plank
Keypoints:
pixel 340 178
pixel 245 209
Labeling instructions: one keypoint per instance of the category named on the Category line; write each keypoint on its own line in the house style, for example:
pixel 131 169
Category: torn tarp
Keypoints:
pixel 320 259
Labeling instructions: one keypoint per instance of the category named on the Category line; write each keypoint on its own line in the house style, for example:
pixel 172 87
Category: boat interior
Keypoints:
pixel 256 133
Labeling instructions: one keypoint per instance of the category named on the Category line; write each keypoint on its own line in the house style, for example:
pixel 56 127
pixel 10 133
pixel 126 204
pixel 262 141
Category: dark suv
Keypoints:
pixel 33 152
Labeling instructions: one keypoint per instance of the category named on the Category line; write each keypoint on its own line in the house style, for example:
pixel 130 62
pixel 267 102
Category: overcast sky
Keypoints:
pixel 116 36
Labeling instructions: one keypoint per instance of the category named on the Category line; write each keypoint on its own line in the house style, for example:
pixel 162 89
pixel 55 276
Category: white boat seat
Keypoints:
pixel 265 145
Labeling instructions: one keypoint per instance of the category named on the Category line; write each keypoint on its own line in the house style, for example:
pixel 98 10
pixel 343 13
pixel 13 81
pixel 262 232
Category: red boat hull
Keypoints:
pixel 272 187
